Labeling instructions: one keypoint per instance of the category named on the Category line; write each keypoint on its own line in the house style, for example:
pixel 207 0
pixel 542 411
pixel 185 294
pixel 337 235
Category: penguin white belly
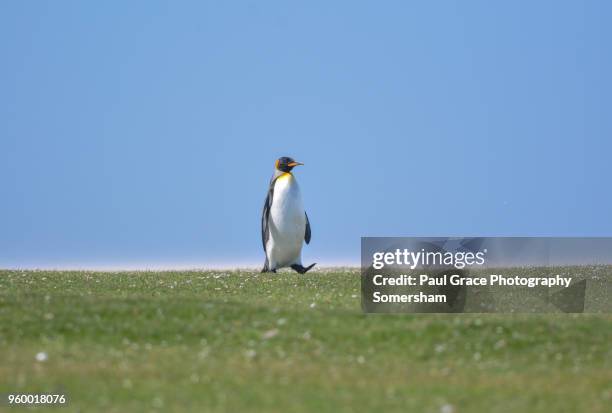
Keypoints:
pixel 287 224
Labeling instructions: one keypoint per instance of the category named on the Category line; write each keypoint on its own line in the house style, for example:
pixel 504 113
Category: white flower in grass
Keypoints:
pixel 447 408
pixel 269 334
pixel 439 348
pixel 42 357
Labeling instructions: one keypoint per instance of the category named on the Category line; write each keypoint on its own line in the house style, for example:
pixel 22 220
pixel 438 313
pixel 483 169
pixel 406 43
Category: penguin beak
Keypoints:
pixel 292 164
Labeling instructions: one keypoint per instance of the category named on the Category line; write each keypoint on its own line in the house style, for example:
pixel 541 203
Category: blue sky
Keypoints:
pixel 144 133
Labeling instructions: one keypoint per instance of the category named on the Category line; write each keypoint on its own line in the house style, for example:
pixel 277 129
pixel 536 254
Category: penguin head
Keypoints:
pixel 286 164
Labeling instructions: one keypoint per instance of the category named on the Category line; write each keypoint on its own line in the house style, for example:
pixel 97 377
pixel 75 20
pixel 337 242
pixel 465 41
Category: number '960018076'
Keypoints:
pixel 36 399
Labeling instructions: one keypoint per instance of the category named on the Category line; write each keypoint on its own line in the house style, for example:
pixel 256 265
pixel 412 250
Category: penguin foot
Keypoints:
pixel 266 269
pixel 301 269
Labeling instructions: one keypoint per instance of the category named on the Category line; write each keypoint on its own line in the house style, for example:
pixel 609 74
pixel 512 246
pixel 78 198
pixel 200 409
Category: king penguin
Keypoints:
pixel 284 223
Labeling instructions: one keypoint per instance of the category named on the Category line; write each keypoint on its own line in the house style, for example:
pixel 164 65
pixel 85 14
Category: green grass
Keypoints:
pixel 240 342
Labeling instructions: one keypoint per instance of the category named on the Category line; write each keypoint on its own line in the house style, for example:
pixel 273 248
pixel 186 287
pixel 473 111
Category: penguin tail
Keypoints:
pixel 266 267
pixel 301 269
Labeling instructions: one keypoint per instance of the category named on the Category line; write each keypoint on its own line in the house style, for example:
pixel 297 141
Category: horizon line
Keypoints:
pixel 173 266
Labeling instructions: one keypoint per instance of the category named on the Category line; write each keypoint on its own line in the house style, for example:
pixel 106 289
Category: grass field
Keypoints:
pixel 241 341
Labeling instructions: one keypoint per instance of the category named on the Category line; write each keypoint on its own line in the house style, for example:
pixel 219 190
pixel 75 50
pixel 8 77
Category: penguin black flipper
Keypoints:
pixel 265 216
pixel 265 225
pixel 307 233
